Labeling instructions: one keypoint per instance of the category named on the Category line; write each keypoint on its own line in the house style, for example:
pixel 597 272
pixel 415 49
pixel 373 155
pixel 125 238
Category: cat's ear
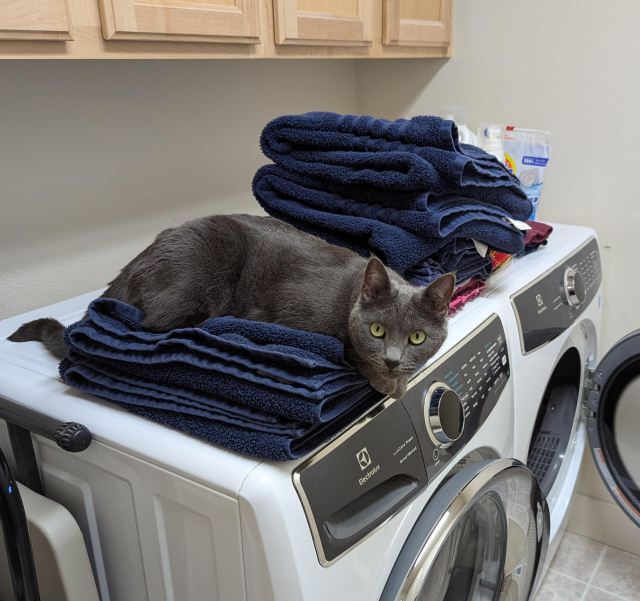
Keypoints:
pixel 437 295
pixel 376 281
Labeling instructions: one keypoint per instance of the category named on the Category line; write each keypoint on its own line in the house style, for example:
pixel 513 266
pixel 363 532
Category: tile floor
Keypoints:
pixel 586 570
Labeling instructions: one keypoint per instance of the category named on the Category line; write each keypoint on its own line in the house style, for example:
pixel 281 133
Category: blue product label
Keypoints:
pixel 537 161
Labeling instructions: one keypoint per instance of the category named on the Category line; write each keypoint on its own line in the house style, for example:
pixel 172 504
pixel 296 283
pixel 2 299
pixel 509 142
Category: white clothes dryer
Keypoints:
pixel 563 399
pixel 420 498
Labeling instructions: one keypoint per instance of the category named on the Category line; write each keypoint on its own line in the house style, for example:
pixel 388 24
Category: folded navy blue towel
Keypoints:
pixel 285 377
pixel 401 237
pixel 250 380
pixel 263 443
pixel 421 154
pixel 460 255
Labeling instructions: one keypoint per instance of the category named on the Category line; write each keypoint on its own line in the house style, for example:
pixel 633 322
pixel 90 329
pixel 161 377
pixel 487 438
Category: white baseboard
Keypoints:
pixel 604 522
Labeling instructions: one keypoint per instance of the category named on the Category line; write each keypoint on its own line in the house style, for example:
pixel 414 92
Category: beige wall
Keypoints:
pixel 570 67
pixel 97 157
pixel 567 66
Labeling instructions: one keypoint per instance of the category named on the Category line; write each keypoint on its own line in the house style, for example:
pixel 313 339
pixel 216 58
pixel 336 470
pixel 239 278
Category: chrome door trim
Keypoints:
pixel 450 518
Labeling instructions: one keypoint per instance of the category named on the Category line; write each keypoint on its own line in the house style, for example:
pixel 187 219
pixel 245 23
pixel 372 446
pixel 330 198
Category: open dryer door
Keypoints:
pixel 613 423
pixel 482 537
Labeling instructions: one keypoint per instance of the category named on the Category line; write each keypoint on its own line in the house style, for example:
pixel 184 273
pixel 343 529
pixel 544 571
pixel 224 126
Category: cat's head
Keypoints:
pixel 395 326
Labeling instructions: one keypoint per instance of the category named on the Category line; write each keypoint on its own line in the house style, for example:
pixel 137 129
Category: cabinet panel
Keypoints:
pixel 324 22
pixel 417 22
pixel 234 21
pixel 35 20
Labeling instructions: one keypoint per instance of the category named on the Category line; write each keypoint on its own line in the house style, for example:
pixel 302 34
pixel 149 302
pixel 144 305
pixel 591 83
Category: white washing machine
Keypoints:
pixel 553 298
pixel 419 499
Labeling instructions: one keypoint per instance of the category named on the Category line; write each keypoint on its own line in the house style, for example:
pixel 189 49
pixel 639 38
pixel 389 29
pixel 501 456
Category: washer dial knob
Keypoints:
pixel 443 415
pixel 574 288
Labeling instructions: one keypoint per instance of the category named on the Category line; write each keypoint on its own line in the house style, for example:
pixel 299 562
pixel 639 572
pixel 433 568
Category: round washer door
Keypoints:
pixel 613 425
pixel 482 537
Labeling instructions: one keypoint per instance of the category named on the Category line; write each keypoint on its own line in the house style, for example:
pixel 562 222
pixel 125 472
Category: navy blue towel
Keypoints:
pixel 420 154
pixel 260 388
pixel 262 443
pixel 460 255
pixel 401 237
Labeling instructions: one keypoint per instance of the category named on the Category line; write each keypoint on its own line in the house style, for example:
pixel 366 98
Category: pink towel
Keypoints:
pixel 465 294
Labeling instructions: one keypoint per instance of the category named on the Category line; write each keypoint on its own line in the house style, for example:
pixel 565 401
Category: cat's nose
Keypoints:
pixel 392 357
pixel 392 363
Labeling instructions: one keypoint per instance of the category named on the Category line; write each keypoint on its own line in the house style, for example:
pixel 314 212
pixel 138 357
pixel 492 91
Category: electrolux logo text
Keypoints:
pixel 368 475
pixel 364 460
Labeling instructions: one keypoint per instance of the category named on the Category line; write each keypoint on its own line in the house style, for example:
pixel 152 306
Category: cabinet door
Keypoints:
pixel 232 21
pixel 417 22
pixel 35 20
pixel 324 22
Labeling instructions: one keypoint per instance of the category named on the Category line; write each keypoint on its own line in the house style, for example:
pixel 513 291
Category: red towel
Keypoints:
pixel 538 233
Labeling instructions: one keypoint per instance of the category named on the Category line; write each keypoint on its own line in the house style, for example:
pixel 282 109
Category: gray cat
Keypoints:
pixel 262 269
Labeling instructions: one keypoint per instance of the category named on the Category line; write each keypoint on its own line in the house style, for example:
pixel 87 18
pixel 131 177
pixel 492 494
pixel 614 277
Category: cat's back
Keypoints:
pixel 267 239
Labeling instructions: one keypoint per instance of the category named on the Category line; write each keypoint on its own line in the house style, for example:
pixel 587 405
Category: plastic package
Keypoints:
pixel 458 115
pixel 527 153
pixel 490 139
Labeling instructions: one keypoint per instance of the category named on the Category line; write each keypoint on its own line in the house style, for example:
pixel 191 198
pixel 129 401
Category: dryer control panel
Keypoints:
pixel 367 474
pixel 552 302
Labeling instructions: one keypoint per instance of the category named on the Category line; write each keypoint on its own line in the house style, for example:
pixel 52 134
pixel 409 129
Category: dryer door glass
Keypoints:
pixel 614 423
pixel 470 564
pixel 482 537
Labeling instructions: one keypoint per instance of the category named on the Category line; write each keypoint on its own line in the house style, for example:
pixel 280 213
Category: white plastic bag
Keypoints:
pixel 526 153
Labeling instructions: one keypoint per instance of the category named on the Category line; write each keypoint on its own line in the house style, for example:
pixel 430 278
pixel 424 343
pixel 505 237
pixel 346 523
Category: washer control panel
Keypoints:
pixel 367 474
pixel 550 304
pixel 472 375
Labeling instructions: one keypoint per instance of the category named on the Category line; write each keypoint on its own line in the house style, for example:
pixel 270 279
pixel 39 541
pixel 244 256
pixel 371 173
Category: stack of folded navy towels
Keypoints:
pixel 256 388
pixel 405 190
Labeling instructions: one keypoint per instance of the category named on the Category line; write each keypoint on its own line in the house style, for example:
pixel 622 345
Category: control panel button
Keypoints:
pixel 443 414
pixel 574 289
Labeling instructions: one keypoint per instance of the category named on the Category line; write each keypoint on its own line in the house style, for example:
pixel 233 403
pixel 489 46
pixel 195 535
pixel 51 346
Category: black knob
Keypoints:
pixel 574 288
pixel 72 437
pixel 444 415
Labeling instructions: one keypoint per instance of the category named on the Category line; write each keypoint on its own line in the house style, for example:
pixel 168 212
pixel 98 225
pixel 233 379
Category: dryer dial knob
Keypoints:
pixel 443 415
pixel 574 289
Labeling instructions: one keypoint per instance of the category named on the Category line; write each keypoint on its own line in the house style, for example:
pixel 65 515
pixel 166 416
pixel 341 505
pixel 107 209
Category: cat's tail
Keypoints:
pixel 46 330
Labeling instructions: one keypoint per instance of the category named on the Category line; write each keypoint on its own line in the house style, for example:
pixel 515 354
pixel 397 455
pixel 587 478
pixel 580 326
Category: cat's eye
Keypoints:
pixel 378 329
pixel 417 337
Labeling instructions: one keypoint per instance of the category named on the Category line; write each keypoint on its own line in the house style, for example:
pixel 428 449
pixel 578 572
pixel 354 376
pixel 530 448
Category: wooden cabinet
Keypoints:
pixel 149 29
pixel 324 22
pixel 221 21
pixel 35 20
pixel 417 22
